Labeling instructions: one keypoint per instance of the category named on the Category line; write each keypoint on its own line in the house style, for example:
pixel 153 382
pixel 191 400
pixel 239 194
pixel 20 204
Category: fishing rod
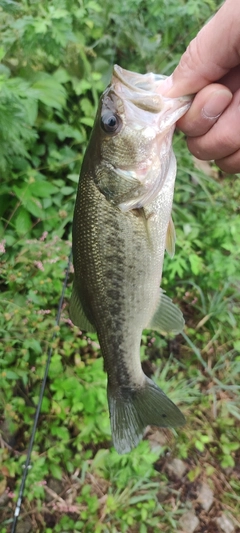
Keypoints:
pixel 27 465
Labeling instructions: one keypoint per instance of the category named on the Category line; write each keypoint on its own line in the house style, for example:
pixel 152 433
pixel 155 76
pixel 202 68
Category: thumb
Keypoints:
pixel 213 52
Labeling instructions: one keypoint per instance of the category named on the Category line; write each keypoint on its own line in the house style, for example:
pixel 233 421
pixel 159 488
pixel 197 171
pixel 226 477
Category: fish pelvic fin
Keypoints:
pixel 76 311
pixel 167 317
pixel 133 409
pixel 170 238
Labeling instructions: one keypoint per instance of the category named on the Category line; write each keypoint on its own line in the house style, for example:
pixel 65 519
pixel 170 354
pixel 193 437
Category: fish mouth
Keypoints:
pixel 140 89
pixel 144 91
pixel 136 81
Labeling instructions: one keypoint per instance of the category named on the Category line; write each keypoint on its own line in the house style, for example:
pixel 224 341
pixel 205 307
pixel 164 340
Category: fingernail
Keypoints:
pixel 216 104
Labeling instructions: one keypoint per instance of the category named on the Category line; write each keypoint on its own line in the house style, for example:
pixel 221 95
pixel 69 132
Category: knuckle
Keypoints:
pixel 195 149
pixel 223 166
pixel 192 56
pixel 231 164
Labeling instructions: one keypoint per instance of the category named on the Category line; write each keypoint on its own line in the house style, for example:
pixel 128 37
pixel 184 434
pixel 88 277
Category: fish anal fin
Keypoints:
pixel 76 312
pixel 132 410
pixel 167 317
pixel 170 238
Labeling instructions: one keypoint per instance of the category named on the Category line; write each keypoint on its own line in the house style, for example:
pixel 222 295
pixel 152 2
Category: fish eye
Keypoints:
pixel 111 123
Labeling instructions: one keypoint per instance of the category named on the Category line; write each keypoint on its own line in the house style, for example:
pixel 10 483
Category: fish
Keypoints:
pixel 121 227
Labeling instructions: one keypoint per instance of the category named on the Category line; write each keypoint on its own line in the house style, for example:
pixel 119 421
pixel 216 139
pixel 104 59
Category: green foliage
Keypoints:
pixel 56 58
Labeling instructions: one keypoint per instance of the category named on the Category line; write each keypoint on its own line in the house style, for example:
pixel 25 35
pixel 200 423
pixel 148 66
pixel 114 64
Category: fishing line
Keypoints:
pixel 27 465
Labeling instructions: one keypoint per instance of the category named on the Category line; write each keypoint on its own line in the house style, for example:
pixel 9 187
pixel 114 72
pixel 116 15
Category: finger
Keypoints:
pixel 230 164
pixel 205 110
pixel 209 56
pixel 223 139
pixel 232 79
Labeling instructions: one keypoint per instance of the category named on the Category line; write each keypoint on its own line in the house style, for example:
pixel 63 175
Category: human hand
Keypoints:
pixel 212 124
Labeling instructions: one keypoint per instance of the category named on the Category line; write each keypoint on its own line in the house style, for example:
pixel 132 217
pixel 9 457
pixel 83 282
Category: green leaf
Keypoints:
pixel 21 193
pixel 228 462
pixel 2 53
pixel 56 471
pixel 196 263
pixel 42 189
pixel 87 121
pixel 32 110
pixel 61 75
pixel 34 344
pixel 199 445
pixel 236 345
pixel 73 177
pixel 49 91
pixel 9 6
pixel 11 375
pixel 23 221
pixel 67 190
pixel 94 6
pixel 45 405
pixel 34 207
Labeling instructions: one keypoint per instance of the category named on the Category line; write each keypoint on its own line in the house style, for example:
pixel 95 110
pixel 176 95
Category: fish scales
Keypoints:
pixel 120 226
pixel 119 278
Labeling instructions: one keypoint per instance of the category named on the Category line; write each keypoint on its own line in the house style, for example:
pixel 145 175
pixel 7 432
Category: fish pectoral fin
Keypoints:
pixel 133 409
pixel 170 238
pixel 167 317
pixel 77 314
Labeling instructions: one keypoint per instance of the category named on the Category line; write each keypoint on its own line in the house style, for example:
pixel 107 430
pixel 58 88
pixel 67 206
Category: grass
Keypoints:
pixel 77 481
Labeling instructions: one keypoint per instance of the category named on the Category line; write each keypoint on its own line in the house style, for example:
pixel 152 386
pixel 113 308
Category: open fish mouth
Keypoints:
pixel 144 91
pixel 134 80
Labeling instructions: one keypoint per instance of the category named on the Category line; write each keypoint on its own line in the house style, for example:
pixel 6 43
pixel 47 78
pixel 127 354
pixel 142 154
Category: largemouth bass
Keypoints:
pixel 122 225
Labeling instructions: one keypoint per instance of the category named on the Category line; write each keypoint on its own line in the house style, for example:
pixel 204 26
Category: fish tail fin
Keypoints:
pixel 133 409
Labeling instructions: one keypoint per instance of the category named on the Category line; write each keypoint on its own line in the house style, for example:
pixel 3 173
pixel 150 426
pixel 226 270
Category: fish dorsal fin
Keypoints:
pixel 167 317
pixel 77 314
pixel 170 238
